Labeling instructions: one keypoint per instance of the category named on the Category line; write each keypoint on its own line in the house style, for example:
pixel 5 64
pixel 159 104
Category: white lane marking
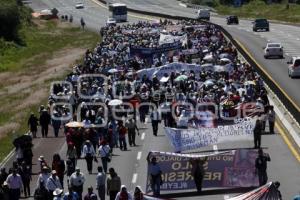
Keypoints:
pixel 139 155
pixel 143 136
pixel 134 178
pixel 215 148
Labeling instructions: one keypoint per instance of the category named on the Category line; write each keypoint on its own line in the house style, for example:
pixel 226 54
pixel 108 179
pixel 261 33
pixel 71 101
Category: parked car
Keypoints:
pixel 273 50
pixel 261 24
pixel 79 5
pixel 111 22
pixel 232 19
pixel 294 67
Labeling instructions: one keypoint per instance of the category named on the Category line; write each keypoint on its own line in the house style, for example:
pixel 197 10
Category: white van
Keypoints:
pixel 203 14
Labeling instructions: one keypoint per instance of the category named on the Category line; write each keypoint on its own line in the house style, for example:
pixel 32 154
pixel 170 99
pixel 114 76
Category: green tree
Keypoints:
pixel 9 21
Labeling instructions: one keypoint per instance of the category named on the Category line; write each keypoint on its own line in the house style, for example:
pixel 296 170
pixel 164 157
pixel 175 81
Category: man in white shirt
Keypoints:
pixel 155 119
pixel 100 183
pixel 88 152
pixel 104 152
pixel 53 183
pixel 77 180
pixel 14 182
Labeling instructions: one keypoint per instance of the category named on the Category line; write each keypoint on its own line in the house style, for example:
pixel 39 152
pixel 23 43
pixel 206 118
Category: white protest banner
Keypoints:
pixel 189 139
pixel 168 68
pixel 167 38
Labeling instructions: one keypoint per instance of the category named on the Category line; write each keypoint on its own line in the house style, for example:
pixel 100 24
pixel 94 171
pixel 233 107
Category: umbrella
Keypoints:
pixel 209 82
pixel 164 79
pixel 22 141
pixel 181 78
pixel 225 55
pixel 112 71
pixel 208 58
pixel 115 102
pixel 225 60
pixel 249 83
pixel 74 124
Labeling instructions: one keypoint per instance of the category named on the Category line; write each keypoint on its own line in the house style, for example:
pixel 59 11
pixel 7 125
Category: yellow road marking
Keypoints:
pixel 288 142
pixel 267 74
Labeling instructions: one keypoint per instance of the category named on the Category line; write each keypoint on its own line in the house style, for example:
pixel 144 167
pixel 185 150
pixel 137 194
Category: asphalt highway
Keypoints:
pixel 131 164
pixel 287 35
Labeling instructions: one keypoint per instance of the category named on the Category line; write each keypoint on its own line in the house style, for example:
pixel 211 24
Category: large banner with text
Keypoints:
pixel 235 168
pixel 190 139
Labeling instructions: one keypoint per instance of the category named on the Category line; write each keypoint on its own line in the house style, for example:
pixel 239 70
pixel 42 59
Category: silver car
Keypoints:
pixel 294 67
pixel 273 50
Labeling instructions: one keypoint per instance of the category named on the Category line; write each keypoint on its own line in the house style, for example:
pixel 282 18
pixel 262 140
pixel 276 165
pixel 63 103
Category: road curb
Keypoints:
pixel 8 157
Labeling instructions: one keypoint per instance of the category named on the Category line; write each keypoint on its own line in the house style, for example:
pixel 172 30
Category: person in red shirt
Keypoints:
pixel 122 135
pixel 59 166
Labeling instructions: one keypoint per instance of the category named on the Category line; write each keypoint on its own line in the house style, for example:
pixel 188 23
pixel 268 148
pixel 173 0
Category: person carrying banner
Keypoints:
pixel 261 167
pixel 155 175
pixel 198 171
pixel 257 133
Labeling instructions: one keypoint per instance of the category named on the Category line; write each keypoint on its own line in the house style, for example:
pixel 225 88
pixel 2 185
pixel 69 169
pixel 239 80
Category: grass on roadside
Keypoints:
pixel 42 41
pixel 258 9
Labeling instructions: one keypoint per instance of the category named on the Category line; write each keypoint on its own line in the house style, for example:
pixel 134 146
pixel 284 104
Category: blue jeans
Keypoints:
pixel 104 163
pixel 123 144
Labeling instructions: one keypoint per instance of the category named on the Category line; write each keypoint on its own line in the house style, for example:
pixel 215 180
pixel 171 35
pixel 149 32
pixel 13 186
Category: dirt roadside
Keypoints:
pixel 25 89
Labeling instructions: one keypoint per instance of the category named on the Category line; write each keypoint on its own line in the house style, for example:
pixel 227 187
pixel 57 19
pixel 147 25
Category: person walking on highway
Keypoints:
pixel 15 184
pixel 138 193
pixel 261 167
pixel 43 176
pixel 88 152
pixel 131 127
pixel 82 23
pixel 90 195
pixel 257 133
pixel 56 123
pixel 100 183
pixel 104 152
pixel 33 123
pixel 271 119
pixel 155 175
pixel 155 119
pixel 59 166
pixel 25 172
pixel 45 119
pixel 198 171
pixel 123 194
pixel 77 180
pixel 113 184
pixel 122 136
pixel 53 183
pixel 72 154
